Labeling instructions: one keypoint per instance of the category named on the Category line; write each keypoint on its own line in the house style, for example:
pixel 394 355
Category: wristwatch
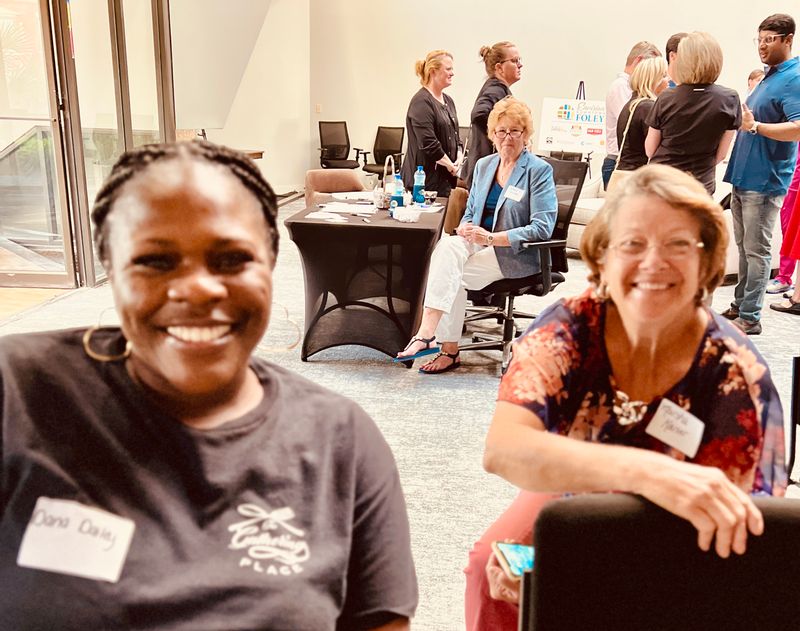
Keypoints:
pixel 490 239
pixel 754 129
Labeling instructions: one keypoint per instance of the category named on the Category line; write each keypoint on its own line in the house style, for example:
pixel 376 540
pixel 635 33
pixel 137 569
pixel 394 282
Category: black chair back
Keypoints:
pixel 388 142
pixel 569 177
pixel 617 561
pixel 334 140
pixel 463 135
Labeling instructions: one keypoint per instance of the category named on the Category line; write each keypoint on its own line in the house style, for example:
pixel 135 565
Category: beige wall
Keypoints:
pixel 363 51
pixel 271 107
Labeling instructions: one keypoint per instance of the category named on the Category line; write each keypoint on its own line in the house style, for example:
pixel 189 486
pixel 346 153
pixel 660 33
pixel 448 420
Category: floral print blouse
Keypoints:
pixel 561 372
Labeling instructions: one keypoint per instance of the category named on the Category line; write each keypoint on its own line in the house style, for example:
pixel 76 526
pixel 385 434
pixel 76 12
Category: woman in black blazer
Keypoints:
pixel 504 68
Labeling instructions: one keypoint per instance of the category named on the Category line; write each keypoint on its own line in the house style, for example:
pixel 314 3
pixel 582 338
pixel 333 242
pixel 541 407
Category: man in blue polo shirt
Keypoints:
pixel 761 166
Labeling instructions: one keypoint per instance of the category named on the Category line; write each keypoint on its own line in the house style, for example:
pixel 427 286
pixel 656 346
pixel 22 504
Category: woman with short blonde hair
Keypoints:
pixel 699 59
pixel 693 124
pixel 680 192
pixel 512 201
pixel 582 404
pixel 516 113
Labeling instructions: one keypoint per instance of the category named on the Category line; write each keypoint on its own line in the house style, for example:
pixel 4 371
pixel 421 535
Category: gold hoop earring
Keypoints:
pixel 87 348
pixel 601 291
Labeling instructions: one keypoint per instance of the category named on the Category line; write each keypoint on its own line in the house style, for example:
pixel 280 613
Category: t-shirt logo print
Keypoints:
pixel 272 545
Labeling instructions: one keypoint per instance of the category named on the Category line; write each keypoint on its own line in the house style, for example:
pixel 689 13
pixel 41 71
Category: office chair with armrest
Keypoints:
pixel 456 205
pixel 617 561
pixel 335 146
pixel 388 142
pixel 499 295
pixel 330 181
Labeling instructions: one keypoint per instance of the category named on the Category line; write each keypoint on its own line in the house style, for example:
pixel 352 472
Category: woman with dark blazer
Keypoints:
pixel 432 127
pixel 504 68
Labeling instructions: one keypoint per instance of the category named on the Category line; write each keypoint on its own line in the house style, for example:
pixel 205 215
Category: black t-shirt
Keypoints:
pixel 692 120
pixel 290 517
pixel 632 154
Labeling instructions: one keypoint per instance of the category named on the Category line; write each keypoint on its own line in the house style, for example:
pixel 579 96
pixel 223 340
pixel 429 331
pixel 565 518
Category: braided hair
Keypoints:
pixel 137 160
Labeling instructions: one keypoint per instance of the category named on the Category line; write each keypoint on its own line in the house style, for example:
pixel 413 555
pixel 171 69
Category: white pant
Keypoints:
pixel 457 266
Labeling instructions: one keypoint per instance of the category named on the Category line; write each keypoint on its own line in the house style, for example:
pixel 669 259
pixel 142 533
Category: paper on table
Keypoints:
pixel 367 195
pixel 352 209
pixel 321 214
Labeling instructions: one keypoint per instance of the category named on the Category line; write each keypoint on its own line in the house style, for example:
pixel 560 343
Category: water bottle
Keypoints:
pixel 419 185
pixel 399 189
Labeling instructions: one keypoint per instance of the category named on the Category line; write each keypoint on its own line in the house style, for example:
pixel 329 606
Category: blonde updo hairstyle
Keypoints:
pixel 647 76
pixel 433 61
pixel 681 191
pixel 515 112
pixel 699 59
pixel 493 55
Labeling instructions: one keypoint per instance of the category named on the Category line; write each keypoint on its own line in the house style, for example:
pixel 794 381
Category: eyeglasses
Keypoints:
pixel 517 61
pixel 502 133
pixel 767 39
pixel 635 249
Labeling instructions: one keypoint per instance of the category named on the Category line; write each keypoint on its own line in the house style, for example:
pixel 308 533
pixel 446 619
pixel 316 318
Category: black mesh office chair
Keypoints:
pixel 499 295
pixel 388 142
pixel 617 561
pixel 334 144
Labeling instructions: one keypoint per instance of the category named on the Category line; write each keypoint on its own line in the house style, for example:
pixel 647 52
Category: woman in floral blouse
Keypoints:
pixel 660 395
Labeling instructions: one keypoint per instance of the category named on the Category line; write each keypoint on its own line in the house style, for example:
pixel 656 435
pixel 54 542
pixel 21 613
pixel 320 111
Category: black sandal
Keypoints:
pixel 455 362
pixel 430 348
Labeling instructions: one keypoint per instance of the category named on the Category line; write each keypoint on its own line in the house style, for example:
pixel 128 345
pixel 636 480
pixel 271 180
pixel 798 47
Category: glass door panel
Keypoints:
pixel 141 61
pixel 33 247
pixel 95 78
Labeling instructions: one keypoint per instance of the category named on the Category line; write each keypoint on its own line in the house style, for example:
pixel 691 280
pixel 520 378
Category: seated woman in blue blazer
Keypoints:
pixel 512 200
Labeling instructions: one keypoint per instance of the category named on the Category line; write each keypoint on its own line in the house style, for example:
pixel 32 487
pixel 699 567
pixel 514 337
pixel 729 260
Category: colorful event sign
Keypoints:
pixel 572 125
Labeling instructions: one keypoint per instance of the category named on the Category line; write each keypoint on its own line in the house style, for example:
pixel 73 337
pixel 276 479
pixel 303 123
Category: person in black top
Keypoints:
pixel 648 80
pixel 504 68
pixel 168 479
pixel 432 127
pixel 692 125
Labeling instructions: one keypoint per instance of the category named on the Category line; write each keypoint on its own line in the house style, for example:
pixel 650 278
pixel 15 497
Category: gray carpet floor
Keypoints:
pixel 434 424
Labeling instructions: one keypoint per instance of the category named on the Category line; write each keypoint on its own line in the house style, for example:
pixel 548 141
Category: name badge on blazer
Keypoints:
pixel 514 193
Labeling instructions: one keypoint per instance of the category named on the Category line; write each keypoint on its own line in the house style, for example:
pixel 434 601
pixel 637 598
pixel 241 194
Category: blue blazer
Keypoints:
pixel 532 218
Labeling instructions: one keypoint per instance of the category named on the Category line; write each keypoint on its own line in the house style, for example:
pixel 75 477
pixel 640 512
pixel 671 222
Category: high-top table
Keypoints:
pixel 364 281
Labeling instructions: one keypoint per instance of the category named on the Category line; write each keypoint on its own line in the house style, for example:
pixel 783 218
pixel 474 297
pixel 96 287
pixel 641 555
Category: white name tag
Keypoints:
pixel 69 538
pixel 676 427
pixel 512 192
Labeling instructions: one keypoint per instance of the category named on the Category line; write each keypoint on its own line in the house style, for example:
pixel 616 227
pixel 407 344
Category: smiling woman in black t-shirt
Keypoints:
pixel 693 125
pixel 167 479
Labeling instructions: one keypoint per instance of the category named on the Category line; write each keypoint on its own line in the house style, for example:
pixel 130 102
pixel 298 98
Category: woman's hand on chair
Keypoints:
pixel 705 497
